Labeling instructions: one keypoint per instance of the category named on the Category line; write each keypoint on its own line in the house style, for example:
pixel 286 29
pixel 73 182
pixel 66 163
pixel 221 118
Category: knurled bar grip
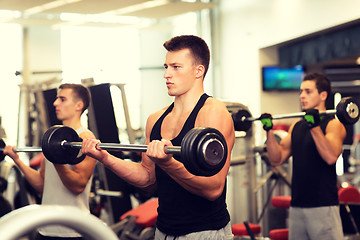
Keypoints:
pixel 123 147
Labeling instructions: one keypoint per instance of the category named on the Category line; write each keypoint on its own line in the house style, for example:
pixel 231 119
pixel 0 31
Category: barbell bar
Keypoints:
pixel 347 111
pixel 25 149
pixel 203 150
pixel 22 149
pixel 123 147
pixel 291 115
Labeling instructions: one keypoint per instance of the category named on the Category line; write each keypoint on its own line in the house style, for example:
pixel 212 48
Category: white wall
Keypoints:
pixel 247 26
pixel 44 50
pixel 153 91
pixel 10 61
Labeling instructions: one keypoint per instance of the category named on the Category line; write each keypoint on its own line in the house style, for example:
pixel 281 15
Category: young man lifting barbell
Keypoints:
pixel 190 206
pixel 315 143
pixel 61 184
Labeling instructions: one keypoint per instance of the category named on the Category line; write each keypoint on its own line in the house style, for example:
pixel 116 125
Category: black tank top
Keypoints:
pixel 314 182
pixel 181 212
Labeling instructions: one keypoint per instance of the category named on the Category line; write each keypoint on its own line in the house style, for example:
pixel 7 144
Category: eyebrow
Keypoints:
pixel 172 64
pixel 306 89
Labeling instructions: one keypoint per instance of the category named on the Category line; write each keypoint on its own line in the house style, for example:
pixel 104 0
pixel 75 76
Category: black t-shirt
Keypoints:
pixel 314 182
pixel 180 212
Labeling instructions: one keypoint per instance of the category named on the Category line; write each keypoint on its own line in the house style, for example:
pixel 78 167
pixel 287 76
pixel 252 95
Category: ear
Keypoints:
pixel 200 70
pixel 323 95
pixel 79 105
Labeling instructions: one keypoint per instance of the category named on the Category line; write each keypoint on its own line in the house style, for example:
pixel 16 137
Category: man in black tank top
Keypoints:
pixel 315 143
pixel 190 206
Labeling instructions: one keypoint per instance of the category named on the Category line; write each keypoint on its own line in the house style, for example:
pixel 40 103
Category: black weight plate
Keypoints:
pixel 193 162
pixel 194 158
pixel 79 158
pixel 2 145
pixel 52 148
pixel 212 151
pixel 188 151
pixel 239 123
pixel 45 145
pixel 347 111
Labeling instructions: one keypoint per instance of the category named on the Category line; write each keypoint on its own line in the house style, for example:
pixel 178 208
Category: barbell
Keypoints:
pixel 23 149
pixel 203 150
pixel 347 111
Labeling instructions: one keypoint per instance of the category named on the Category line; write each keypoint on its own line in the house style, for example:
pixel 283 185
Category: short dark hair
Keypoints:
pixel 321 81
pixel 80 92
pixel 197 46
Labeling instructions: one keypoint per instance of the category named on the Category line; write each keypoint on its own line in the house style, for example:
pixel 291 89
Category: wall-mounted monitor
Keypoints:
pixel 275 78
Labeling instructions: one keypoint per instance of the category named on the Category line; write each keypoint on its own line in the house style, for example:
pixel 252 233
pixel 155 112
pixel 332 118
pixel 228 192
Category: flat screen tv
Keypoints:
pixel 275 78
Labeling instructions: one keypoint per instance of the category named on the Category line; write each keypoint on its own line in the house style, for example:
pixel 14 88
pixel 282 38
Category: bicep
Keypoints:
pixel 285 147
pixel 86 167
pixel 285 144
pixel 335 134
pixel 219 118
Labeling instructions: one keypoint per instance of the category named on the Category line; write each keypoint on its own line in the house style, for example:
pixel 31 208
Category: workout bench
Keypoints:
pixel 349 199
pixel 138 223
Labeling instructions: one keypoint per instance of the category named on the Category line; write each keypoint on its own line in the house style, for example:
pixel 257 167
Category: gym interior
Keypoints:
pixel 115 48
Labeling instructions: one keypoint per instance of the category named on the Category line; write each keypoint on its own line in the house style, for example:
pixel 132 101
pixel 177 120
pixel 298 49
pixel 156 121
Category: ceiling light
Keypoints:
pixel 137 7
pixel 98 18
pixel 48 6
pixel 8 15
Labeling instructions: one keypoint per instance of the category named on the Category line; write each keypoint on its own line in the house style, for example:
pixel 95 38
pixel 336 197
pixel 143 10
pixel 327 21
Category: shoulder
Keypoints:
pixel 151 120
pixel 215 112
pixel 335 125
pixel 153 117
pixel 213 105
pixel 335 122
pixel 291 127
pixel 86 134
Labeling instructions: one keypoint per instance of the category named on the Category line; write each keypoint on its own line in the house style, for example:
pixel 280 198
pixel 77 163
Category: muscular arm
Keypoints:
pixel 214 114
pixel 34 177
pixel 76 178
pixel 329 145
pixel 140 175
pixel 278 153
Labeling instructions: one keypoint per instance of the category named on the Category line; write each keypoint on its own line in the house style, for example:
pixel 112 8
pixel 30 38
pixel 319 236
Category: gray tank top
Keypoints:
pixel 55 193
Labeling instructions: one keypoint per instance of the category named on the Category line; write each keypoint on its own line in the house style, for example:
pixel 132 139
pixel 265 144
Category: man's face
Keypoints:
pixel 66 106
pixel 309 95
pixel 180 71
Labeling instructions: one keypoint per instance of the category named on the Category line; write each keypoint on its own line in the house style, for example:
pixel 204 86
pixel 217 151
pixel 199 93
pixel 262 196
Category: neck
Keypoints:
pixel 73 123
pixel 321 107
pixel 186 102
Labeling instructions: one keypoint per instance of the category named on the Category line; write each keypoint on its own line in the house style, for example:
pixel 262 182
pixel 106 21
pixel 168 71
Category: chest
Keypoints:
pixel 172 125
